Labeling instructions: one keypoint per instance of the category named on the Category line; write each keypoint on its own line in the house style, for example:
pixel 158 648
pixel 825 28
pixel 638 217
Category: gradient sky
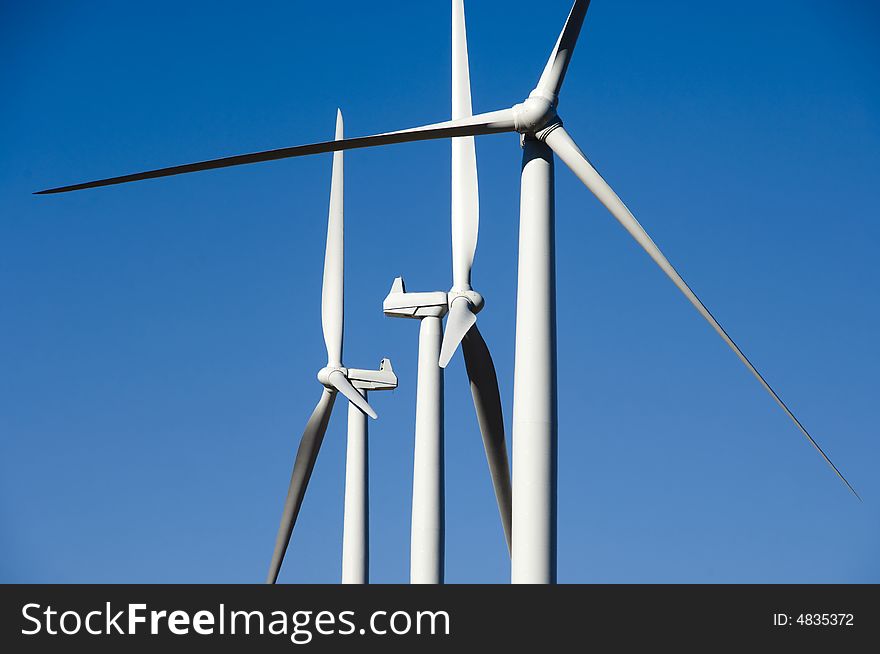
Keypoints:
pixel 160 340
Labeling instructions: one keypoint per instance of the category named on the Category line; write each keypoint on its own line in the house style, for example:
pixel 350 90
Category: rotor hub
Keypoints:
pixel 532 115
pixel 325 373
pixel 474 299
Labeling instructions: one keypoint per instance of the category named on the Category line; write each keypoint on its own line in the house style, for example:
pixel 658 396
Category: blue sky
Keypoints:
pixel 160 339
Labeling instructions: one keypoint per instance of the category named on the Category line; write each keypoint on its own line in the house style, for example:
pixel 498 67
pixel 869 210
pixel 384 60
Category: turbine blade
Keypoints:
pixel 465 198
pixel 306 454
pixel 494 122
pixel 341 384
pixel 332 304
pixel 567 150
pixel 554 72
pixel 487 402
pixel 458 322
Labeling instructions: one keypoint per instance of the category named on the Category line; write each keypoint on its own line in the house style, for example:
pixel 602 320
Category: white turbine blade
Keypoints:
pixel 458 322
pixel 465 198
pixel 494 122
pixel 487 402
pixel 341 384
pixel 306 455
pixel 554 72
pixel 332 302
pixel 567 150
pixel 461 80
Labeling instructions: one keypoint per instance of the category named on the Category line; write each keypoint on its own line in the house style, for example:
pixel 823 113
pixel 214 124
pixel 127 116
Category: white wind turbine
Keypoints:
pixel 534 404
pixel 354 385
pixel 427 532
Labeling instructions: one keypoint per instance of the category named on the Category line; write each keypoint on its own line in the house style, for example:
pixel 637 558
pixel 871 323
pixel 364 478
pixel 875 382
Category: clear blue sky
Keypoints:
pixel 159 341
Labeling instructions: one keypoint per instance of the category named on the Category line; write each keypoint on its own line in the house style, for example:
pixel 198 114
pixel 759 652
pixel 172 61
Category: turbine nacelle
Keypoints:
pixel 382 379
pixel 400 304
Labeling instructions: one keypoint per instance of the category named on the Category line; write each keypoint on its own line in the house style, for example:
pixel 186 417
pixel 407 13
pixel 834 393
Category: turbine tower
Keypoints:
pixel 356 513
pixel 353 384
pixel 427 531
pixel 534 412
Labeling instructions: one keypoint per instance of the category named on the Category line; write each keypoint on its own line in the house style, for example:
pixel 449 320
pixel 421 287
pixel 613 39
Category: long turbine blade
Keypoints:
pixel 332 305
pixel 458 322
pixel 309 445
pixel 487 402
pixel 494 122
pixel 465 199
pixel 567 150
pixel 341 384
pixel 554 72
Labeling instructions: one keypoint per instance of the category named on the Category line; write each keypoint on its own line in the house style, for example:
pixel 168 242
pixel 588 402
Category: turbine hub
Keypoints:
pixel 474 299
pixel 324 375
pixel 532 115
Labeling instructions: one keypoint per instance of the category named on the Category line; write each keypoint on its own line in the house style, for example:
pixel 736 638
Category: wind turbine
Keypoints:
pixel 534 405
pixel 354 385
pixel 427 536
